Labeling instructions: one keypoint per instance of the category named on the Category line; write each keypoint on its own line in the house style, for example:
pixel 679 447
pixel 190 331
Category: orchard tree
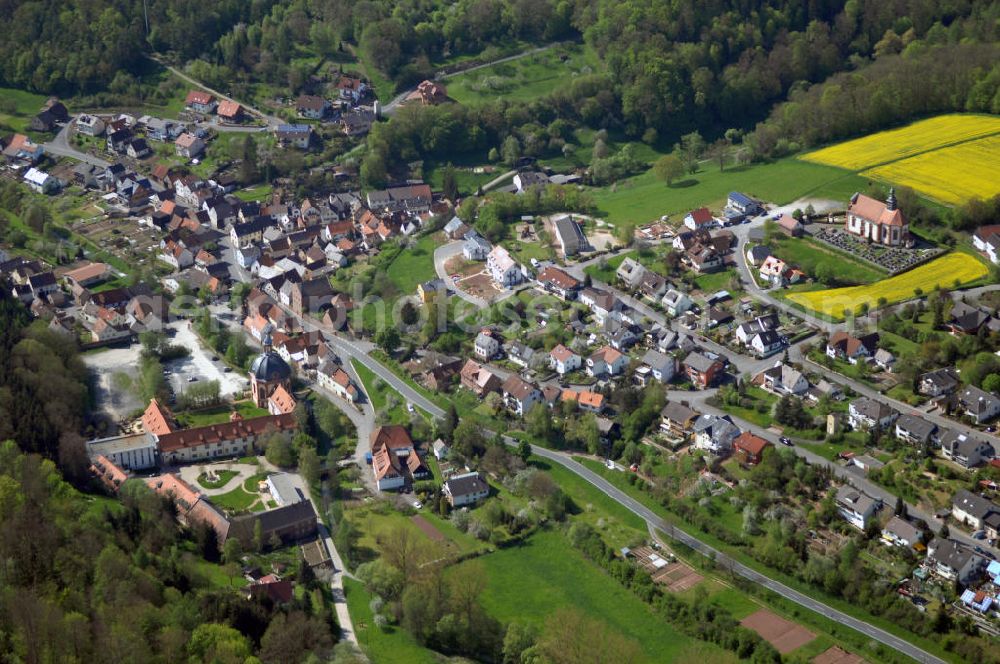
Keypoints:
pixel 668 168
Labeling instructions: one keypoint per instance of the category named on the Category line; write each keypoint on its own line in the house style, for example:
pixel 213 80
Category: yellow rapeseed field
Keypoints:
pixel 895 144
pixel 949 175
pixel 941 271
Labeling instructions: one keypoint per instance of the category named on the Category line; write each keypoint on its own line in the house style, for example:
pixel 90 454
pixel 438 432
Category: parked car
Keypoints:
pixel 785 441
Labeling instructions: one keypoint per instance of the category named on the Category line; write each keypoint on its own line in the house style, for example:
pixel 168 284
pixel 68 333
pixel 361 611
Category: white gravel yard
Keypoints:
pixel 199 365
pixel 117 402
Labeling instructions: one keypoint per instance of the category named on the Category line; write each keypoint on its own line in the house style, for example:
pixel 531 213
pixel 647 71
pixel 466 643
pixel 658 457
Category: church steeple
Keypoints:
pixel 890 203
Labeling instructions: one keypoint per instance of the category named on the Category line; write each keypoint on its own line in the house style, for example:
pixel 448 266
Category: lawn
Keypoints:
pixel 258 193
pixel 530 77
pixel 223 477
pixel 531 581
pixel 25 106
pixel 219 414
pixel 412 265
pixel 645 198
pixel 393 645
pixel 716 281
pixel 378 393
pixel 806 253
pixel 947 271
pixel 605 270
pixel 237 500
pixel 895 144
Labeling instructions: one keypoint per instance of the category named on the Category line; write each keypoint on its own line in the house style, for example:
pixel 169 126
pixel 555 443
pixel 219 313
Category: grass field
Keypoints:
pixel 944 271
pixel 952 174
pixel 525 78
pixel 414 265
pixel 25 106
pixel 806 254
pixel 392 645
pixel 644 198
pixel 379 395
pixel 896 144
pixel 531 581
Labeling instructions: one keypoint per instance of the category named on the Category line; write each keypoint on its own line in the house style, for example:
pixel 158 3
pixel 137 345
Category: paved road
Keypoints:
pixel 60 147
pixel 337 581
pixel 442 255
pixel 654 521
pixel 498 180
pixel 852 475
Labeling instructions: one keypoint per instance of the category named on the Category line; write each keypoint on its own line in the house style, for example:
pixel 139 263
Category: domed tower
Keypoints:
pixel 267 372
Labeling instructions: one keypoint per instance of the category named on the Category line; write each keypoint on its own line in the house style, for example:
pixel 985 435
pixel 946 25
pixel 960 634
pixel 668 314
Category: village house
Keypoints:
pixel 475 247
pixel 987 240
pixel 592 402
pixel 702 371
pixel 293 135
pixel 478 379
pixel 881 223
pixel 465 489
pixel 746 331
pixel 395 460
pixel 415 198
pixel 967 319
pixel 200 101
pixel 487 344
pixel 856 507
pixel 428 290
pixel 782 379
pixel 757 254
pixel 526 180
pixel 519 395
pixel 677 419
pixel 428 93
pixel 939 382
pixel 676 302
pixel 523 355
pixel 89 125
pixel 563 360
pixel 230 111
pixel 866 414
pixel 845 346
pixel 558 282
pixel 503 270
pixel 914 430
pixel 630 272
pixel 750 448
pixel 773 270
pixel 312 107
pixel 790 226
pixel 698 219
pixel 606 361
pixel 661 367
pixel 332 376
pixel 900 532
pixel 20 148
pixel 953 561
pixel 189 146
pixel 971 510
pixel 965 451
pixel 766 343
pixel 601 303
pixel 715 434
pixel 978 404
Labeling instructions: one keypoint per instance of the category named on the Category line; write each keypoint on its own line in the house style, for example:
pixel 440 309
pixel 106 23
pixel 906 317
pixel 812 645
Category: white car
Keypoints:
pixel 417 504
pixel 409 406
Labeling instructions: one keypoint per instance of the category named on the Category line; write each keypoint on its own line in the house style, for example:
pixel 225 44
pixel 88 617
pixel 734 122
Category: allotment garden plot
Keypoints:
pixel 946 272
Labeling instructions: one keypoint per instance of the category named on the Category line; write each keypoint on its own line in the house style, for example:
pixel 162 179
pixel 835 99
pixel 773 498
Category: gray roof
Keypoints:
pixel 656 359
pixel 972 504
pixel 678 412
pixel 902 529
pixel 976 400
pixel 856 500
pixel 282 483
pixel 872 409
pixel 950 553
pixel 698 362
pixel 916 426
pixel 464 485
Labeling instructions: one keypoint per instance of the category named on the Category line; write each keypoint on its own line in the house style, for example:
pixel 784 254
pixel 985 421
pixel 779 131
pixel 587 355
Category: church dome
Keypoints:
pixel 270 367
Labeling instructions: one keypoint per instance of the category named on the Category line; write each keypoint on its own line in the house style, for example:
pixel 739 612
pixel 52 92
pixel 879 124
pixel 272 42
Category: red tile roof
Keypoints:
pixel 158 419
pixel 750 443
pixel 217 433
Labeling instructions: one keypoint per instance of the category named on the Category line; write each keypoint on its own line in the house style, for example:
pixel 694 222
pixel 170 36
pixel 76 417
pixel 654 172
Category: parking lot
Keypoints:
pixel 199 365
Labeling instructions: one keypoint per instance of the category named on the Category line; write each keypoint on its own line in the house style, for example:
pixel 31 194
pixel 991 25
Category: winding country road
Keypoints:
pixel 653 521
